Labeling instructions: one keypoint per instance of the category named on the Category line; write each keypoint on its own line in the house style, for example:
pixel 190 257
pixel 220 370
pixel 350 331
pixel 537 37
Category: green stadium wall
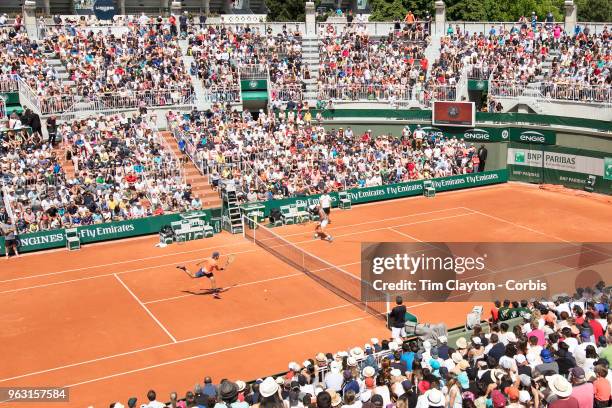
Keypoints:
pixel 392 191
pixel 99 232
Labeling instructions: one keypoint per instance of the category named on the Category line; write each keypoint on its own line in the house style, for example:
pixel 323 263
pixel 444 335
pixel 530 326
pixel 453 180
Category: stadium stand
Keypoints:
pixel 81 144
pixel 544 353
pixel 276 157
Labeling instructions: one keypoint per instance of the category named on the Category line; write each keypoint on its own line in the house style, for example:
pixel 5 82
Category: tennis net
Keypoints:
pixel 334 278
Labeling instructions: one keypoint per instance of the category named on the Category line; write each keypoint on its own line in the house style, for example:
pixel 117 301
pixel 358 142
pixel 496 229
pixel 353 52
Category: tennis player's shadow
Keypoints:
pixel 206 291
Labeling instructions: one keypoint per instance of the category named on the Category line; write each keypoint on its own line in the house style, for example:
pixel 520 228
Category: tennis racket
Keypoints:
pixel 230 258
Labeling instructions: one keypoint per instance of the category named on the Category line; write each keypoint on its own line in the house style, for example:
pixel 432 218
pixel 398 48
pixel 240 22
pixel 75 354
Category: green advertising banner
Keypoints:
pixel 392 191
pixel 472 135
pixel 547 137
pixel 478 85
pixel 95 233
pixel 573 168
pixel 254 85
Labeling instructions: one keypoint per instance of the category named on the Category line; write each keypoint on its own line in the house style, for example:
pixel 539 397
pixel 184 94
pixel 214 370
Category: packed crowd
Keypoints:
pixel 122 170
pixel 139 63
pixel 142 60
pixel 583 69
pixel 354 65
pixel 291 155
pixel 221 52
pixel 558 355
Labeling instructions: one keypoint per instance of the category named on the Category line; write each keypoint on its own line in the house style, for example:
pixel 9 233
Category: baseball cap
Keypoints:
pixel 577 372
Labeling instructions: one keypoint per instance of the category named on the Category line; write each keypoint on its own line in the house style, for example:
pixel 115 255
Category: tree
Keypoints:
pixel 466 10
pixel 384 10
pixel 286 10
pixel 420 7
pixel 594 10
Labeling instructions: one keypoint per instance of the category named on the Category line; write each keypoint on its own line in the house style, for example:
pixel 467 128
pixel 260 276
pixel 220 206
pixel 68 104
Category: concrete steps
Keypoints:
pixel 199 183
pixel 67 165
pixel 198 87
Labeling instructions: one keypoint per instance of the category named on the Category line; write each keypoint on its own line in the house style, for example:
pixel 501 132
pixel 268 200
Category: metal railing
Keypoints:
pixel 7 203
pixel 362 92
pixel 375 29
pixel 253 71
pixel 2 108
pixel 113 101
pixel 286 92
pixel 552 91
pixel 485 26
pixel 9 83
pixel 478 72
pixel 27 96
pixel 220 93
pixel 577 92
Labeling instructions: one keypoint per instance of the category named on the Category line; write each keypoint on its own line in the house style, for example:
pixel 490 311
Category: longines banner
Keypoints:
pixel 94 233
pixel 441 272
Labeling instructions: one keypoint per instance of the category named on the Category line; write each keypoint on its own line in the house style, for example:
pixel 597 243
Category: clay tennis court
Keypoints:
pixel 113 320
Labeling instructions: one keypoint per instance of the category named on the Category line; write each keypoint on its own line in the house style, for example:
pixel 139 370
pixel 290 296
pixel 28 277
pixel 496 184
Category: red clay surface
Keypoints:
pixel 112 321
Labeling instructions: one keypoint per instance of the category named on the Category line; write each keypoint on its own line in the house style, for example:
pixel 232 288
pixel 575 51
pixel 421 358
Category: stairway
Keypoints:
pixel 432 52
pixel 67 165
pixel 310 56
pixel 200 100
pixel 199 183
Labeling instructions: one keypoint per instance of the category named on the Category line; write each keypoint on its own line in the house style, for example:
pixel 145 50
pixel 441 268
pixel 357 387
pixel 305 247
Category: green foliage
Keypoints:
pixel 458 10
pixel 420 7
pixel 385 10
pixel 465 10
pixel 594 10
pixel 286 10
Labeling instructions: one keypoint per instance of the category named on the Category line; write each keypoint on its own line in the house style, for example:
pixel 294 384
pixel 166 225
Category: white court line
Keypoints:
pixel 516 225
pixel 197 356
pixel 235 286
pixel 201 249
pixel 119 262
pixel 250 283
pixel 239 252
pixel 201 337
pixel 378 220
pixel 113 273
pixel 95 360
pixel 404 234
pixel 146 309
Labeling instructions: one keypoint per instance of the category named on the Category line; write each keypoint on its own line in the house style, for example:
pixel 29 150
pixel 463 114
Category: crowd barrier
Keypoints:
pixel 552 91
pixel 100 232
pixel 512 119
pixel 119 100
pixel 286 92
pixel 574 168
pixel 391 191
